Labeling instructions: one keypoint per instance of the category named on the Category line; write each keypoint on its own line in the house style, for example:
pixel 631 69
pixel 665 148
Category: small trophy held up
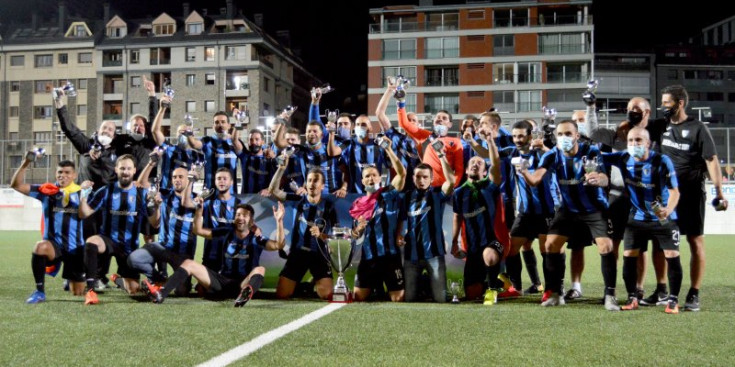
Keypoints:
pixel 96 145
pixel 288 112
pixel 69 89
pixel 428 120
pixel 402 84
pixel 590 165
pixel 287 152
pixel 153 190
pixel 332 120
pixel 35 154
pixel 340 259
pixel 326 88
pixel 242 119
pixel 656 206
pixel 168 91
pixel 549 113
pixel 589 95
pixel 198 167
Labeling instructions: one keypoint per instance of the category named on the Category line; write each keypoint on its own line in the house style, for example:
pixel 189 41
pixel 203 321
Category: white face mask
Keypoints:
pixel 441 130
pixel 136 136
pixel 372 188
pixel 104 140
pixel 360 132
pixel 220 135
pixel 183 142
pixel 565 143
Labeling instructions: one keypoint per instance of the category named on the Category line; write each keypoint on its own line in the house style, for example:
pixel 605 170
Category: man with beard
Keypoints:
pixel 124 211
pixel 220 150
pixel 255 167
pixel 173 155
pixel 535 205
pixel 241 274
pixel 376 232
pixel 478 209
pixel 359 152
pixel 583 201
pixel 314 216
pixel 219 211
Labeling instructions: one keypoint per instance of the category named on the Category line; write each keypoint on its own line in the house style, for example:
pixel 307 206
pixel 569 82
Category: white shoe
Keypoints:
pixel 555 299
pixel 611 303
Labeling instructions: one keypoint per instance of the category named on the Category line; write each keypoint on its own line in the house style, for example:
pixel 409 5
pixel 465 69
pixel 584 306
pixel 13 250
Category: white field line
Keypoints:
pixel 248 348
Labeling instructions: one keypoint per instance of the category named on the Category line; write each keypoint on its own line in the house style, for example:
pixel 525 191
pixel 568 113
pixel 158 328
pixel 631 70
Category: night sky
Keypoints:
pixel 331 36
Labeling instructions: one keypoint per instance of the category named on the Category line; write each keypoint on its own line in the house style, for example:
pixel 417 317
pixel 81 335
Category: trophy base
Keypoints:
pixel 341 297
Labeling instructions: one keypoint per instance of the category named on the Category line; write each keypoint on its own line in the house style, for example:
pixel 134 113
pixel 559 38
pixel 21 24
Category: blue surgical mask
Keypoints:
pixel 637 151
pixel 440 130
pixel 565 143
pixel 343 133
pixel 183 141
pixel 360 132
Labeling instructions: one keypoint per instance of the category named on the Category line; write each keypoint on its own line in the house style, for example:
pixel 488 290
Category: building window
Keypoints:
pixel 442 47
pixel 502 73
pixel 134 108
pixel 672 74
pixel 410 105
pixel 210 79
pixel 80 31
pixel 399 49
pixel 82 84
pixel 209 106
pixel 112 58
pixel 266 109
pixel 135 56
pixel 266 85
pixel 81 110
pixel 503 45
pixel 191 54
pixel 17 60
pixel 529 100
pixel 15 86
pixel 209 54
pixel 715 96
pixel 194 28
pixel 235 52
pixel 529 72
pixel 135 82
pixel 84 58
pixel 566 73
pixel 504 101
pixel 43 86
pixel 190 79
pixel 42 112
pixel 13 111
pixel 163 29
pixel 442 76
pixel 41 137
pixel 117 32
pixel 15 160
pixel 160 56
pixel 510 18
pixel 63 59
pixel 436 102
pixel 442 21
pixel 562 43
pixel 191 106
pixel 408 72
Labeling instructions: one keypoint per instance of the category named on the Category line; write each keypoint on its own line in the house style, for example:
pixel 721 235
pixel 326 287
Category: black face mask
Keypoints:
pixel 635 118
pixel 671 112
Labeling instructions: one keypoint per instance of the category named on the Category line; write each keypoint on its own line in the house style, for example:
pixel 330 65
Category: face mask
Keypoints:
pixel 136 136
pixel 360 132
pixel 313 146
pixel 104 140
pixel 220 135
pixel 440 130
pixel 254 148
pixel 343 133
pixel 635 118
pixel 565 143
pixel 637 151
pixel 372 188
pixel 670 112
pixel 183 142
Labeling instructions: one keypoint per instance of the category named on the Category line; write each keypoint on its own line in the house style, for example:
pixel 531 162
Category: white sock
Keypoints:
pixel 577 286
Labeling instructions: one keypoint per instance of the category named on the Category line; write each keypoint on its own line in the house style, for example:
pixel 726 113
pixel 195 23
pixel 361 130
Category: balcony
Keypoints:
pixel 543 20
pixel 106 63
pixel 563 49
pixel 399 55
pixel 566 77
pixel 441 82
pixel 529 78
pixel 528 106
pixel 111 116
pixel 404 27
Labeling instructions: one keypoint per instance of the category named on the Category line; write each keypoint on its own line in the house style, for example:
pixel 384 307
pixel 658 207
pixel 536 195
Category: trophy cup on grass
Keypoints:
pixel 340 248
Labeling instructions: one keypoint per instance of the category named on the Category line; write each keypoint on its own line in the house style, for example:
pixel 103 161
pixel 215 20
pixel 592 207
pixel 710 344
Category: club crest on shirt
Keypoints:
pixel 646 171
pixel 684 133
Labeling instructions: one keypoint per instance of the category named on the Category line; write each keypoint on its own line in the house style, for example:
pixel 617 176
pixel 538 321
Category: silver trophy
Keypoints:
pixel 340 248
pixel 401 84
pixel 549 113
pixel 326 88
pixel 655 206
pixel 69 89
pixel 242 119
pixel 198 167
pixel 332 120
pixel 36 154
pixel 189 122
pixel 590 165
pixel 288 151
pixel 589 95
pixel 455 287
pixel 288 111
pixel 168 91
pixel 153 190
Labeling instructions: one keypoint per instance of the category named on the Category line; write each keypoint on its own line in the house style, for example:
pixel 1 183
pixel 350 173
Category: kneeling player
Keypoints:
pixel 241 274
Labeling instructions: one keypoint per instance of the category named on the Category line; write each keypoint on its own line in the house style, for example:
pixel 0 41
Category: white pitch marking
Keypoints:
pixel 248 348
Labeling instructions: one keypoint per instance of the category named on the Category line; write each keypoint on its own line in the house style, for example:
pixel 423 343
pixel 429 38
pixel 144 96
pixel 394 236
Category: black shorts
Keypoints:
pixel 690 210
pixel 510 213
pixel 212 257
pixel 117 250
pixel 617 216
pixel 301 260
pixel 569 224
pixel 373 273
pixel 147 229
pixel 475 270
pixel 73 269
pixel 638 233
pixel 530 226
pixel 221 286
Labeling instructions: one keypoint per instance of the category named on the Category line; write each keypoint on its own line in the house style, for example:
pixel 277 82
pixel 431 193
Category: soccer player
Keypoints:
pixel 376 214
pixel 219 211
pixel 241 274
pixel 536 206
pixel 256 168
pixel 650 180
pixel 403 145
pixel 174 155
pixel 314 216
pixel 691 148
pixel 359 152
pixel 478 211
pixel 124 210
pixel 220 150
pixel 421 210
pixel 62 235
pixel 583 202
